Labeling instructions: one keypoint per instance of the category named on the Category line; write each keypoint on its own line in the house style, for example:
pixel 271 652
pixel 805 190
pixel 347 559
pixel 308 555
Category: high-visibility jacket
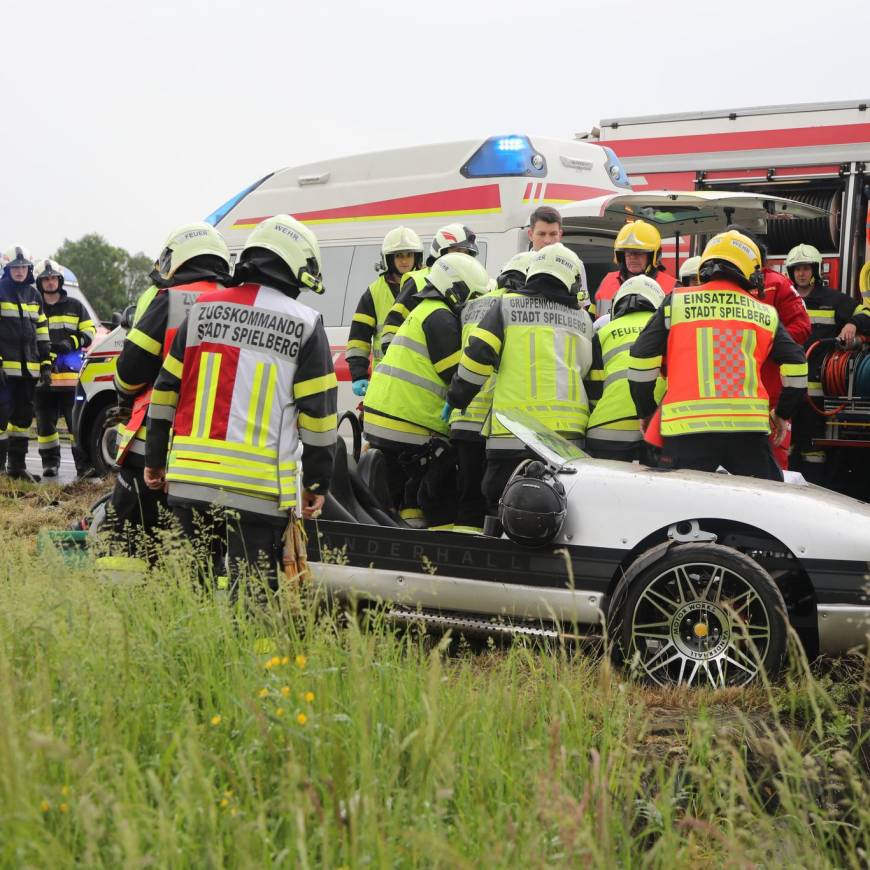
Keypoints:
pixel 367 327
pixel 247 384
pixel 144 350
pixel 412 283
pixel 468 423
pixel 541 347
pixel 612 281
pixel 715 339
pixel 24 342
pixel 829 311
pixel 407 392
pixel 614 418
pixel 68 321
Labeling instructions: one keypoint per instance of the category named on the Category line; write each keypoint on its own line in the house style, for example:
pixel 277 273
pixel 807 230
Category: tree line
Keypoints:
pixel 109 276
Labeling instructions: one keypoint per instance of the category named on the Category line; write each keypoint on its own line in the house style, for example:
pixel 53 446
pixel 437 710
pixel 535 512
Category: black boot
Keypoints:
pixel 16 465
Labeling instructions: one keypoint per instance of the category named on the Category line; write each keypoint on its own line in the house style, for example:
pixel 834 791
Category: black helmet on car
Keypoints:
pixel 533 506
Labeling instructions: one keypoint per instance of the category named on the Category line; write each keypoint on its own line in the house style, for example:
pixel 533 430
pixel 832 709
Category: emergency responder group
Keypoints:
pixel 227 396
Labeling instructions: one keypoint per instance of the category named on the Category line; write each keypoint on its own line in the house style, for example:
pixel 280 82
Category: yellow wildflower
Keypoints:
pixel 263 692
pixel 301 718
pixel 285 691
pixel 309 697
pixel 64 807
pixel 64 790
pixel 215 720
pixel 45 806
pixel 301 661
pixel 224 803
pixel 279 711
pixel 285 660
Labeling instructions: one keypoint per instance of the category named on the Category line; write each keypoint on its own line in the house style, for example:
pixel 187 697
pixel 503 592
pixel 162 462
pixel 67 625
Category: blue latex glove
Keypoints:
pixel 446 411
pixel 359 387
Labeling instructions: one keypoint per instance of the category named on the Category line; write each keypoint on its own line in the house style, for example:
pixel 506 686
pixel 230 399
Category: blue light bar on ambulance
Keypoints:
pixel 615 169
pixel 505 156
pixel 223 210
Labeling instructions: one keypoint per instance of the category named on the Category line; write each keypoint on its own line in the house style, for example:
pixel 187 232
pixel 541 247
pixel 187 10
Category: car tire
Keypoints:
pixel 101 441
pixel 701 615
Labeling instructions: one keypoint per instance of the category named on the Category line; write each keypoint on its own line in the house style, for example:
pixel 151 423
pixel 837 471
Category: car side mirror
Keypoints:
pixel 117 317
pixel 127 316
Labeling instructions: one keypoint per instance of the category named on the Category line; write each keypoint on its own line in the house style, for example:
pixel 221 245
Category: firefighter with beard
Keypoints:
pixel 451 239
pixel 401 253
pixel 24 359
pixel 466 427
pixel 403 414
pixel 194 260
pixel 833 315
pixel 537 342
pixel 249 394
pixel 714 340
pixel 70 331
pixel 614 428
pixel 637 251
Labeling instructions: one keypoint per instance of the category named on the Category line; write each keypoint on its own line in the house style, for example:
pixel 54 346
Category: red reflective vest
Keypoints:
pixel 612 281
pixel 719 337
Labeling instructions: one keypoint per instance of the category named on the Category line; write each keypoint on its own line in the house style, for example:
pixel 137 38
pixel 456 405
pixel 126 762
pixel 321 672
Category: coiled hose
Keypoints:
pixel 835 377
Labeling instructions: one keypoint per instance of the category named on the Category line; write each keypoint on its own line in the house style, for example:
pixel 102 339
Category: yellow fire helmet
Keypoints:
pixel 398 240
pixel 562 263
pixel 638 236
pixel 458 277
pixel 295 244
pixel 738 251
pixel 189 241
pixel 689 269
pixel 804 255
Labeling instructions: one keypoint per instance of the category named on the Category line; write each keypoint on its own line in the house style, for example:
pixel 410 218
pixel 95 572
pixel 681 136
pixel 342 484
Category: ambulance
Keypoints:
pixel 492 186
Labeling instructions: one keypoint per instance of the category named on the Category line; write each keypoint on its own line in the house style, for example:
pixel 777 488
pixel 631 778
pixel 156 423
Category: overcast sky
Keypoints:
pixel 130 118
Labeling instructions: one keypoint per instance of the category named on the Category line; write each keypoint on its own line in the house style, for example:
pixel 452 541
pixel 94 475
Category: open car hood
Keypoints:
pixel 683 212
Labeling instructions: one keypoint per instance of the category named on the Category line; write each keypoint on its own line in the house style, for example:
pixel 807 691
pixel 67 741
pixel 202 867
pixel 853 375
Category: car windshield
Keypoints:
pixel 546 443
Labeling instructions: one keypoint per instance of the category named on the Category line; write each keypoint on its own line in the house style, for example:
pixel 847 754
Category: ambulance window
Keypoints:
pixel 334 265
pixel 362 273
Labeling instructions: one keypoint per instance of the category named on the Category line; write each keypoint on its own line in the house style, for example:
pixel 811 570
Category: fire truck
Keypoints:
pixel 817 154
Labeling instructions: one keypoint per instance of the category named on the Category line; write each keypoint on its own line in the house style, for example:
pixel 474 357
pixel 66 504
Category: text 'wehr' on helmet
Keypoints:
pixel 804 255
pixel 189 242
pixel 400 240
pixel 452 238
pixel 638 293
pixel 533 507
pixel 513 273
pixel 638 236
pixel 47 268
pixel 560 262
pixel 732 257
pixel 296 260
pixel 457 278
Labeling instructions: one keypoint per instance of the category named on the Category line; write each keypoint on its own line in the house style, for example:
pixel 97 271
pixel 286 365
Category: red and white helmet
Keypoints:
pixel 453 237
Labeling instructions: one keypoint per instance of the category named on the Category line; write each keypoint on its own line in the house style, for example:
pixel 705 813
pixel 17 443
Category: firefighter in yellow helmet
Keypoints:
pixel 404 404
pixel 714 340
pixel 450 239
pixel 194 259
pixel 637 251
pixel 538 342
pixel 614 428
pixel 248 391
pixel 401 253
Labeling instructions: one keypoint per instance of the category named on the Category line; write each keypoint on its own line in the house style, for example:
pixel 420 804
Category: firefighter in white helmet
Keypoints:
pixel 249 392
pixel 689 272
pixel 451 239
pixel 537 342
pixel 401 253
pixel 614 427
pixel 194 260
pixel 24 358
pixel 403 406
pixel 70 331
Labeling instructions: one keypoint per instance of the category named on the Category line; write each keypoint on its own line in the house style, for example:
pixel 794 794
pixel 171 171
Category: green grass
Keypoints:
pixel 139 726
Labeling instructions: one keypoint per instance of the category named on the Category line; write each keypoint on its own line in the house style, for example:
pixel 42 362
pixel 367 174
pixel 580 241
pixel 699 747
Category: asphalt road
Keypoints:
pixel 67 466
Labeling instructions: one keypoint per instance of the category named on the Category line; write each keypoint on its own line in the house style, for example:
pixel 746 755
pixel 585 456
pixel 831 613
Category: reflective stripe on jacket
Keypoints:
pixel 408 389
pixel 367 327
pixel 247 384
pixel 24 341
pixel 614 417
pixel 406 300
pixel 716 338
pixel 542 350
